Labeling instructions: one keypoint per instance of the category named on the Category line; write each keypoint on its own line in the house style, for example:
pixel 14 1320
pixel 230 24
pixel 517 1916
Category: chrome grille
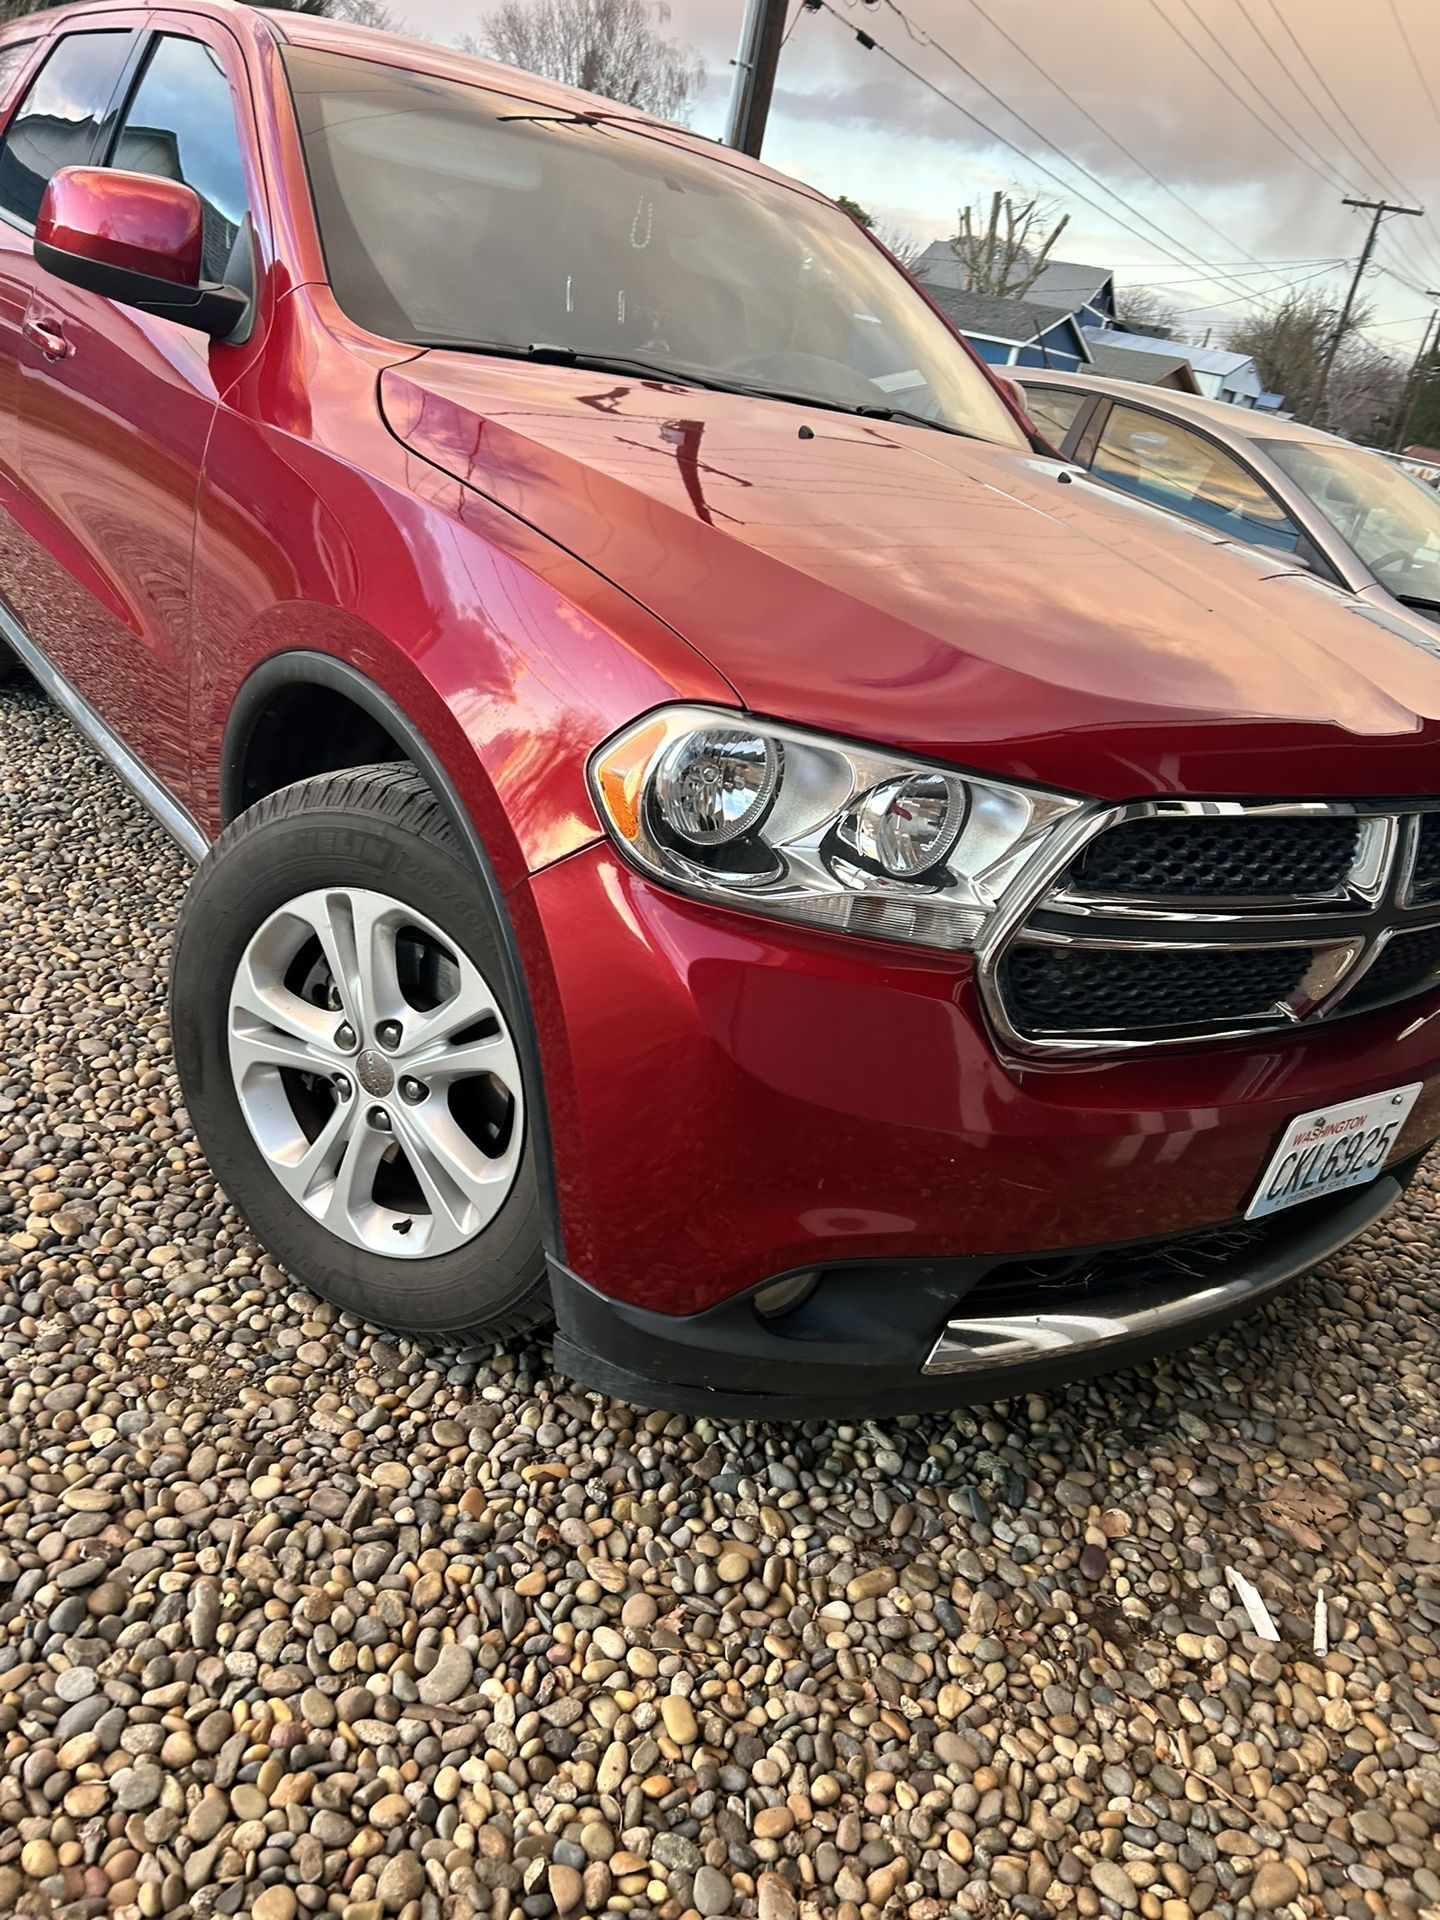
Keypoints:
pixel 1169 921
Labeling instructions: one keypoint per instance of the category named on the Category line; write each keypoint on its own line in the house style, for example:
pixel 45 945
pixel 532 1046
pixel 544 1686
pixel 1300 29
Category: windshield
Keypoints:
pixel 1391 520
pixel 454 216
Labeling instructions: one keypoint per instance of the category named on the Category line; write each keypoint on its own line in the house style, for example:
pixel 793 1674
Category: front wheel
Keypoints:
pixel 347 1048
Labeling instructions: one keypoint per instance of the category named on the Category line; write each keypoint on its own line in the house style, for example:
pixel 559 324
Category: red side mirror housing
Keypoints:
pixel 129 220
pixel 138 239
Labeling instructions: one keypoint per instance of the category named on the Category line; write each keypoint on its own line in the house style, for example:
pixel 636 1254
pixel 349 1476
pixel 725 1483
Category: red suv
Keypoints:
pixel 707 830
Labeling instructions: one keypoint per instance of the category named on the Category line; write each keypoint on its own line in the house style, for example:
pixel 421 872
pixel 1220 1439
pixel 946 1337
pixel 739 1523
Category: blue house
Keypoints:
pixel 1015 333
pixel 1087 292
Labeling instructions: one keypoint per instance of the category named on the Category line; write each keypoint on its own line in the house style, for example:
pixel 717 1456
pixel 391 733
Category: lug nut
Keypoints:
pixel 345 1036
pixel 388 1034
pixel 379 1120
pixel 413 1091
pixel 342 1085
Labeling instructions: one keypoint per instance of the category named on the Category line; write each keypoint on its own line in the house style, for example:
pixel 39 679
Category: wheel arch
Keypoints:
pixel 302 669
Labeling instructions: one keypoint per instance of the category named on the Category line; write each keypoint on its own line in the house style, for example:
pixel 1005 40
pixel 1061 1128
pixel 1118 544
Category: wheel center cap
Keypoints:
pixel 374 1073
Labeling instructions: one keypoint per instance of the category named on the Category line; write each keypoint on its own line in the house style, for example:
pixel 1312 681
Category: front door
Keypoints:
pixel 115 412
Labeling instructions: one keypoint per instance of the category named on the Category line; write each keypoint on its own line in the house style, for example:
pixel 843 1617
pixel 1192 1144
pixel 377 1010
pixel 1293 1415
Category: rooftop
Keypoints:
pixel 1018 321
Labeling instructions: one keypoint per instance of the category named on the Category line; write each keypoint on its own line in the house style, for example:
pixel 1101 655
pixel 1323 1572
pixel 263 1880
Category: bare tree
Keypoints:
pixel 369 13
pixel 906 248
pixel 1288 346
pixel 1005 250
pixel 1145 311
pixel 359 13
pixel 610 47
pixel 1365 390
pixel 1288 343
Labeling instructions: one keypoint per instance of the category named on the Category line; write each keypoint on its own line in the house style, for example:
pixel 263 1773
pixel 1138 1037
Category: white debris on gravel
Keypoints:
pixel 296 1620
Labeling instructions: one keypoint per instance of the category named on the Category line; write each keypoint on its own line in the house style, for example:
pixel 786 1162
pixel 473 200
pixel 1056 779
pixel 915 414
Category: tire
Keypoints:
pixel 309 865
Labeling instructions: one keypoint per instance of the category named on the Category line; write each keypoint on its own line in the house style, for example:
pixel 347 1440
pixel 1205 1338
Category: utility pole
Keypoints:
pixel 1416 380
pixel 755 64
pixel 1377 209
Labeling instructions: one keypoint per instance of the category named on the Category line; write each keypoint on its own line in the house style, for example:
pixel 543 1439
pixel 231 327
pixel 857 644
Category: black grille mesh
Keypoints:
pixel 1425 879
pixel 1221 856
pixel 1085 989
pixel 1204 1257
pixel 1409 963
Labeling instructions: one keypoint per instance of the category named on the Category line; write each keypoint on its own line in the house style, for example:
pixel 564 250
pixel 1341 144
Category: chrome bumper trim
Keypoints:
pixel 1142 1315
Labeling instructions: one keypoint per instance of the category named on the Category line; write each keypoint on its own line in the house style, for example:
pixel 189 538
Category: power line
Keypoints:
pixel 1416 65
pixel 1332 178
pixel 1100 128
pixel 869 42
pixel 1328 265
pixel 1377 209
pixel 1354 158
pixel 1288 286
pixel 1386 173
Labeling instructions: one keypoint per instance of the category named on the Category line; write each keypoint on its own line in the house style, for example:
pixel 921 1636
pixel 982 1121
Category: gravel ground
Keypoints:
pixel 295 1620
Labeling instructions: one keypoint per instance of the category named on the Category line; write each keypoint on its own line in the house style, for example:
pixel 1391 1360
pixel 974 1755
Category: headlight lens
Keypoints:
pixel 905 827
pixel 713 785
pixel 795 825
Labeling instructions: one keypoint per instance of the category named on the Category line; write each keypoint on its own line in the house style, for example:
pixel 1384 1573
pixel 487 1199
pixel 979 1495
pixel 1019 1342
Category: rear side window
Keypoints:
pixel 1171 467
pixel 1053 411
pixel 181 125
pixel 58 121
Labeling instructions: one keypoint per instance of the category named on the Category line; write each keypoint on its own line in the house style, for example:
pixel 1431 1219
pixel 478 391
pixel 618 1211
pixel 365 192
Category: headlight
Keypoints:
pixel 795 825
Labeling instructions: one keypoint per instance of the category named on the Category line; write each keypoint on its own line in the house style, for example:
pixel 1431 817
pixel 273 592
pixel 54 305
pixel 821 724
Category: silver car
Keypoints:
pixel 1351 516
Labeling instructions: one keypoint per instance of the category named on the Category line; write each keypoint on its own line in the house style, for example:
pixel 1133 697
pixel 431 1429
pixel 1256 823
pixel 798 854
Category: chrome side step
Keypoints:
pixel 1159 1314
pixel 181 826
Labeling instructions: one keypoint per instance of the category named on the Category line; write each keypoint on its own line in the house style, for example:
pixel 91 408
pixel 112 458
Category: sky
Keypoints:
pixel 1200 174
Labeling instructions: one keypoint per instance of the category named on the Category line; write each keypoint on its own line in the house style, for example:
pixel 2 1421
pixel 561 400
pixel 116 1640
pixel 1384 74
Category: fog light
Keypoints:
pixel 783 1296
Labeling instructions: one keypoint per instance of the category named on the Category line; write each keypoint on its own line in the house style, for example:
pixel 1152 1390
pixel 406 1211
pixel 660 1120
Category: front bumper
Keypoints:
pixel 864 1343
pixel 732 1101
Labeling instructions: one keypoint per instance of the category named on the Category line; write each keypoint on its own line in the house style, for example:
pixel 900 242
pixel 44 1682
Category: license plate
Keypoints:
pixel 1333 1148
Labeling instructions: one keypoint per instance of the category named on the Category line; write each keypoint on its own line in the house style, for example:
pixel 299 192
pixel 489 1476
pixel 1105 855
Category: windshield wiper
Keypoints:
pixel 542 353
pixel 910 419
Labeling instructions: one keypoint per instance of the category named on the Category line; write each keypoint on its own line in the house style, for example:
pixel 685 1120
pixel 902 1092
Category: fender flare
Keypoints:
pixel 301 668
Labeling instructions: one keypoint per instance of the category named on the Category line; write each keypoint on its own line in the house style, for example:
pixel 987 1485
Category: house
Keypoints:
pixel 1014 333
pixel 1087 292
pixel 1066 318
pixel 1219 374
pixel 1158 368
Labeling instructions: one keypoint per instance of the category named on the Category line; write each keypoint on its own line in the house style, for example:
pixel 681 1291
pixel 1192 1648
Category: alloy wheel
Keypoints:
pixel 376 1071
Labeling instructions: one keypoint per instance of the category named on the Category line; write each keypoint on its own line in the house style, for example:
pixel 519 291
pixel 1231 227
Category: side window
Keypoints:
pixel 1053 410
pixel 180 124
pixel 57 122
pixel 1172 467
pixel 13 58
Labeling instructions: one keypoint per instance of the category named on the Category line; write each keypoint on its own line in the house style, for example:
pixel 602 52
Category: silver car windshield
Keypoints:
pixel 454 216
pixel 1391 520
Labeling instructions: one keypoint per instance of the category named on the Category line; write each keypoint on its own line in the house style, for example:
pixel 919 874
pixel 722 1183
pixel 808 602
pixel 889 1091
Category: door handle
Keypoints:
pixel 49 339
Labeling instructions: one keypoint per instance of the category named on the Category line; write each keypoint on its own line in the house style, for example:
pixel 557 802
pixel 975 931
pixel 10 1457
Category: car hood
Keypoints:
pixel 940 594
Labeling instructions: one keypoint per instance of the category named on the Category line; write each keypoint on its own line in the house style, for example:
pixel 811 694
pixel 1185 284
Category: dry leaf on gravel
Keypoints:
pixel 1307 1510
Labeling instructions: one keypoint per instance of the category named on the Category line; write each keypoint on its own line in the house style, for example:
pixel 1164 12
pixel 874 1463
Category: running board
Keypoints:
pixel 181 826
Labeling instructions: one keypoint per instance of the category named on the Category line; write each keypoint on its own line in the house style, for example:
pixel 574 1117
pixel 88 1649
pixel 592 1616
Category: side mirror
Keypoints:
pixel 137 239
